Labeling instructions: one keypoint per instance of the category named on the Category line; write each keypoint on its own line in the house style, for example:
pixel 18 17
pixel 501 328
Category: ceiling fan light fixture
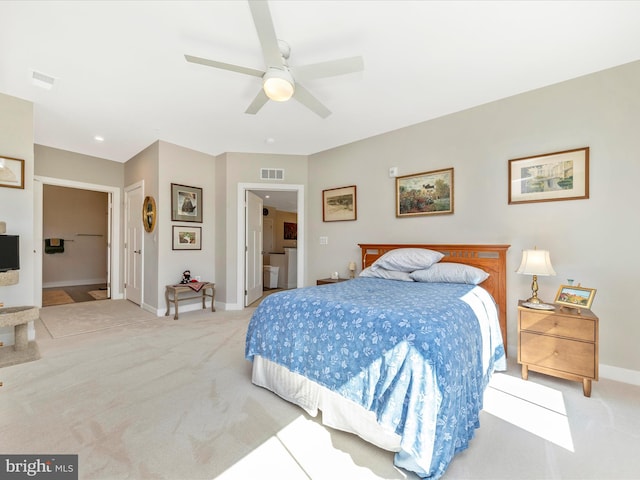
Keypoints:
pixel 278 85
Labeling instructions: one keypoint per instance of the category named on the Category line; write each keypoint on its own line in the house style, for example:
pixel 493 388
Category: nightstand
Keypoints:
pixel 326 281
pixel 560 342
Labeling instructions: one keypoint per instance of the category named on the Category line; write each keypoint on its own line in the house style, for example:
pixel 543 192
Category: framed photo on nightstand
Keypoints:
pixel 576 297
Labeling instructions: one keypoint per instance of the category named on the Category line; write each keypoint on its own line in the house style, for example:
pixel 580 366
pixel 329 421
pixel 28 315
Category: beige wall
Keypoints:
pixel 77 168
pixel 143 167
pixel 195 169
pixel 56 163
pixel 80 218
pixel 592 241
pixel 16 205
pixel 245 168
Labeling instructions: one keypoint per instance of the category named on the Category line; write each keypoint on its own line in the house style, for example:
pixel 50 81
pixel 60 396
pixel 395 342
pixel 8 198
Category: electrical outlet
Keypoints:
pixel 324 240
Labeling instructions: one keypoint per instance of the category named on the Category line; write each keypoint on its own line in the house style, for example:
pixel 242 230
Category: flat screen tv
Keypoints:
pixel 9 252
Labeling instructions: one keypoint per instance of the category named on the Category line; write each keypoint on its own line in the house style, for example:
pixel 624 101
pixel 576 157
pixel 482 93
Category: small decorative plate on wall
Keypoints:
pixel 149 214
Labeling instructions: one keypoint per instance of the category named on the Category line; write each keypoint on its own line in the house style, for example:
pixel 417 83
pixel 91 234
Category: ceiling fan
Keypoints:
pixel 280 82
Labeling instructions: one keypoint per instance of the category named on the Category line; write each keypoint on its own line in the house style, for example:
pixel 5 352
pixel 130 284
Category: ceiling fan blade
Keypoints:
pixel 266 32
pixel 303 95
pixel 330 68
pixel 258 103
pixel 224 66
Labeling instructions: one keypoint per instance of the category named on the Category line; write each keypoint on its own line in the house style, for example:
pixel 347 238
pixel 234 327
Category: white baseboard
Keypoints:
pixel 71 283
pixel 618 374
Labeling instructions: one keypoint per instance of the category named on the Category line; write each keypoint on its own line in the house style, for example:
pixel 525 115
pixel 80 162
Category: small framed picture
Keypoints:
pixel 290 231
pixel 427 193
pixel 11 172
pixel 187 238
pixel 339 204
pixel 550 177
pixel 576 297
pixel 186 203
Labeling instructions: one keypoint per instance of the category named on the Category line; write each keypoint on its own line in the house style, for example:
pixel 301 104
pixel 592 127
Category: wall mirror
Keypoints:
pixel 149 213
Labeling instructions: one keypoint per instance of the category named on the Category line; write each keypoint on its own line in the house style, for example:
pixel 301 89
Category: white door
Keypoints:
pixel 133 245
pixel 109 220
pixel 253 248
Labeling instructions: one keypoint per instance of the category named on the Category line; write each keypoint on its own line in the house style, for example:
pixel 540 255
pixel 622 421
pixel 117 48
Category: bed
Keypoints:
pixel 402 364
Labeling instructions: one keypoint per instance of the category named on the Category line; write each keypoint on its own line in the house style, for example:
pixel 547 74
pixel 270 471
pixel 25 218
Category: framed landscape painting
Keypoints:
pixel 427 193
pixel 550 177
pixel 339 204
pixel 576 297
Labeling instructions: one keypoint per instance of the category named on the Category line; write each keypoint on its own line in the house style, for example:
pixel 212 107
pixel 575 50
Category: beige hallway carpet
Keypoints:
pixel 167 399
pixel 84 317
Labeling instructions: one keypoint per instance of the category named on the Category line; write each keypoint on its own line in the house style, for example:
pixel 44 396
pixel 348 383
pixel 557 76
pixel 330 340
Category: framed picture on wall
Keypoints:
pixel 187 238
pixel 186 203
pixel 11 172
pixel 550 177
pixel 427 193
pixel 339 204
pixel 290 231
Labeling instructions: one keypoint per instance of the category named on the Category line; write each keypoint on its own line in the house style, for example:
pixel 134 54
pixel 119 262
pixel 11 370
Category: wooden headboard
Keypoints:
pixel 490 258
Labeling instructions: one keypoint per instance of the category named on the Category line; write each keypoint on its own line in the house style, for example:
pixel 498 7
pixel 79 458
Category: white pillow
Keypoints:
pixel 407 259
pixel 450 273
pixel 386 274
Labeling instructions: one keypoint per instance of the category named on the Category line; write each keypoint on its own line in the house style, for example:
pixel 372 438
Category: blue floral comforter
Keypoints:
pixel 410 352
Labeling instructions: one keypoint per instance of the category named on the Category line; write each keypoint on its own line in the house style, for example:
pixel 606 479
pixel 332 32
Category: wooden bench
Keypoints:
pixel 172 295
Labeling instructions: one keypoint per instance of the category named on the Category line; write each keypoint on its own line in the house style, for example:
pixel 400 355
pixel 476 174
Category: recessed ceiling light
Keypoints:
pixel 99 138
pixel 270 140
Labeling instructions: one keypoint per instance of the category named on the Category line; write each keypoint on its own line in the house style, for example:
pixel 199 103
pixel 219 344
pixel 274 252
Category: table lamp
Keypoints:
pixel 352 269
pixel 535 262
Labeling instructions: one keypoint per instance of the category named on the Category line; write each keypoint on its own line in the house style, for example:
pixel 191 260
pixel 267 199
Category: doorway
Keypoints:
pixel 112 232
pixel 75 259
pixel 260 189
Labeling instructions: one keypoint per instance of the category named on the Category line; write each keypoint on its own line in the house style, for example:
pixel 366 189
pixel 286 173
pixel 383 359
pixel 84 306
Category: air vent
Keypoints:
pixel 272 174
pixel 41 80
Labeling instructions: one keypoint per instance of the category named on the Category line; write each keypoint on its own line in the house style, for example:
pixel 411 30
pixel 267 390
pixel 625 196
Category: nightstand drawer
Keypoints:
pixel 553 324
pixel 558 353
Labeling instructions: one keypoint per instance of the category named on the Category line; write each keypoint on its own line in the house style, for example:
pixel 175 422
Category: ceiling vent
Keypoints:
pixel 41 80
pixel 272 174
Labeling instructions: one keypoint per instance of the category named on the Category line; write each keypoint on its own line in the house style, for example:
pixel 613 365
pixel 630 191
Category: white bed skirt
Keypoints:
pixel 337 412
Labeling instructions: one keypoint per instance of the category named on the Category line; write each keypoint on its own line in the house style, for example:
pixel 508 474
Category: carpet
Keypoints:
pixel 84 317
pixel 55 297
pixel 98 294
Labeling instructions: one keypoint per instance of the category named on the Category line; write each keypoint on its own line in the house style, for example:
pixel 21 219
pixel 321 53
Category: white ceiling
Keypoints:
pixel 120 70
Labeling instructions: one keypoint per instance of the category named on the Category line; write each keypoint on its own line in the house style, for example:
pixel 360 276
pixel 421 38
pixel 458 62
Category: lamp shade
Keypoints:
pixel 278 84
pixel 536 262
